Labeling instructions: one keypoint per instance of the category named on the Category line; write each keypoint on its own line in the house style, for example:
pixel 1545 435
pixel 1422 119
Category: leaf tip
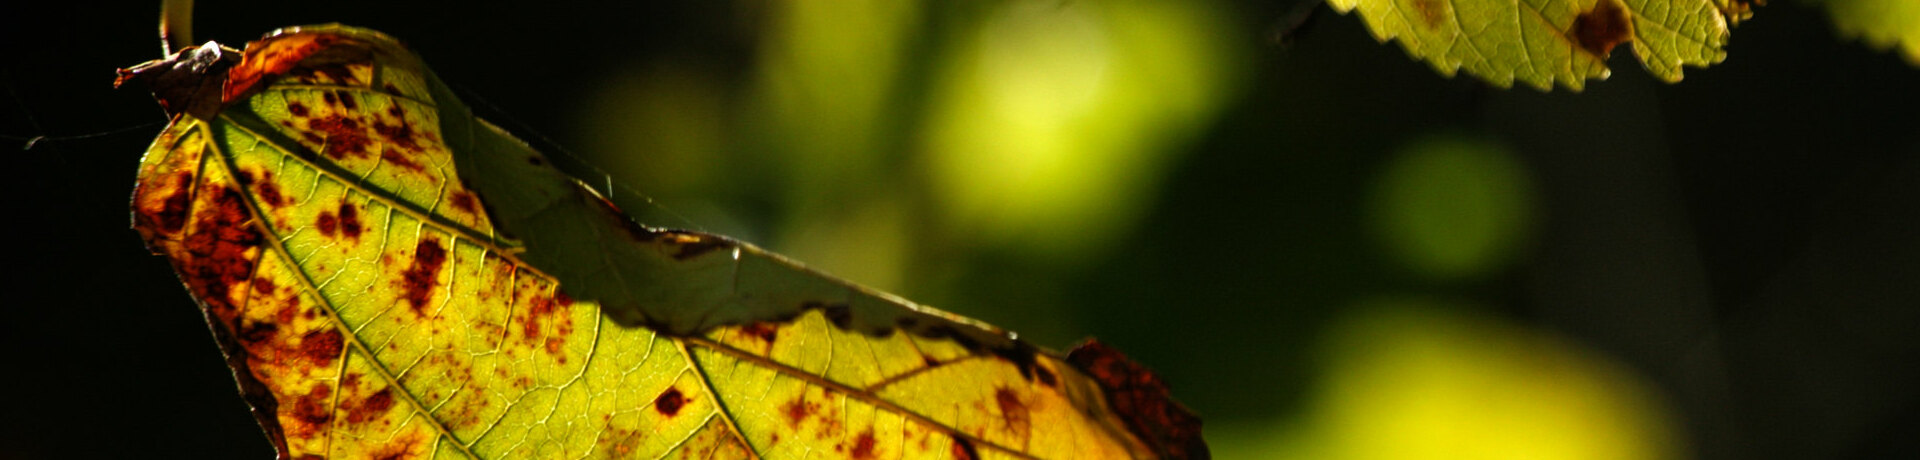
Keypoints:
pixel 1142 400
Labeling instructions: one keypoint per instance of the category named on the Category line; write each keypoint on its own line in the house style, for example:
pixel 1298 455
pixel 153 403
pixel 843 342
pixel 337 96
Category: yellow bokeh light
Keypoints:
pixel 1052 125
pixel 1412 380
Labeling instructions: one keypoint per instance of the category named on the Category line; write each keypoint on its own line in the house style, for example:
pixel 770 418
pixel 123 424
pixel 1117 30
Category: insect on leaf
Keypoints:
pixel 391 277
pixel 1544 42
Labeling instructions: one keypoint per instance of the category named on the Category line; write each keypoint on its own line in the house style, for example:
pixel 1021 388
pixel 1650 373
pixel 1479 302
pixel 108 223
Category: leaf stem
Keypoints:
pixel 176 25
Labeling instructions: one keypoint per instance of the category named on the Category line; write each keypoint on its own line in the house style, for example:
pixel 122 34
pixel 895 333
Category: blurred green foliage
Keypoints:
pixel 922 151
pixel 893 146
pixel 1452 208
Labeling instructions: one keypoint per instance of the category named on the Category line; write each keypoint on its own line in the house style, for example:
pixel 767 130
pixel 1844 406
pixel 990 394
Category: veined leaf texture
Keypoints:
pixel 391 277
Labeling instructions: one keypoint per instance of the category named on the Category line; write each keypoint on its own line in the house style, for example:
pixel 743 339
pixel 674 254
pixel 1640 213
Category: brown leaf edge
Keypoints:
pixel 1143 400
pixel 200 81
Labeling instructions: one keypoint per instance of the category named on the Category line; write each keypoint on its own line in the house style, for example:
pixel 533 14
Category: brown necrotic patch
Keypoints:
pixel 349 216
pixel 371 408
pixel 297 109
pixel 543 312
pixel 322 347
pixel 862 445
pixel 220 253
pixel 402 448
pixel 463 200
pixel 267 189
pixel 1605 26
pixel 669 402
pixel 398 132
pixel 420 278
pixel 172 215
pixel 344 100
pixel 1140 398
pixel 257 332
pixel 1013 412
pixel 764 331
pixel 797 410
pixel 342 136
pixel 327 223
pixel 309 414
pixel 963 449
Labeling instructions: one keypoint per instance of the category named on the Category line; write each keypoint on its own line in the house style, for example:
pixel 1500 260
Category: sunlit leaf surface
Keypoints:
pixel 393 278
pixel 1548 42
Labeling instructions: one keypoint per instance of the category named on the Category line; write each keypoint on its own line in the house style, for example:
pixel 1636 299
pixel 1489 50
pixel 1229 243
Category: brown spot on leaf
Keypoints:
pixel 341 136
pixel 312 409
pixel 1013 412
pixel 219 252
pixel 463 200
pixel 400 449
pixel 172 215
pixel 327 223
pixel 541 309
pixel 762 330
pixel 1139 397
pixel 963 449
pixel 1605 26
pixel 269 190
pixel 346 98
pixel 322 348
pixel 349 220
pixel 669 403
pixel 624 441
pixel 1046 376
pixel 263 285
pixel 862 445
pixel 1431 12
pixel 297 109
pixel 420 278
pixel 391 156
pixel 254 332
pixel 371 408
pixel 797 411
pixel 399 133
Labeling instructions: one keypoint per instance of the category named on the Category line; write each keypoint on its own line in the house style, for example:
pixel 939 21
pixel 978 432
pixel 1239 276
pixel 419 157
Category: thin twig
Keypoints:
pixel 176 25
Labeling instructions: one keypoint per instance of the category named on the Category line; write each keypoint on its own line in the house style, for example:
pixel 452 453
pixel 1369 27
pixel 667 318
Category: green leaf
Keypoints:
pixel 391 277
pixel 1883 24
pixel 1548 42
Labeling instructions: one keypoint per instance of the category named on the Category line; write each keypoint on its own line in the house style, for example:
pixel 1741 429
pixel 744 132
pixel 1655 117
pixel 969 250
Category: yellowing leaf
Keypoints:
pixel 1544 42
pixel 391 277
pixel 1881 23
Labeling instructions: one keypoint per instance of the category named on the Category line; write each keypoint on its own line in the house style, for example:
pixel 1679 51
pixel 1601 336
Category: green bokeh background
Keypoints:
pixel 1328 250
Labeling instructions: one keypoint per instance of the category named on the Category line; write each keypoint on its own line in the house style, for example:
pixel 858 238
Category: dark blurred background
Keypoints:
pixel 1328 249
